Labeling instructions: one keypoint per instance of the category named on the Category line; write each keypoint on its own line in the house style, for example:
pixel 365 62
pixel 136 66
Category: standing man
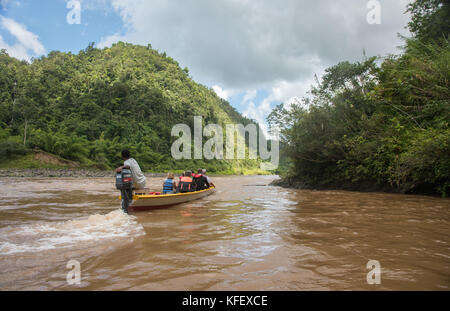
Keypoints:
pixel 136 173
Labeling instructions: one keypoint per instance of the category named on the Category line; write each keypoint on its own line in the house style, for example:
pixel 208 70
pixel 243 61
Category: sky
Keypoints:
pixel 254 53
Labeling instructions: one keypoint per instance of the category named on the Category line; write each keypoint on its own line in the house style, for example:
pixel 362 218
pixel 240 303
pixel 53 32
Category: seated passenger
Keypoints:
pixel 194 181
pixel 169 185
pixel 185 183
pixel 208 178
pixel 200 181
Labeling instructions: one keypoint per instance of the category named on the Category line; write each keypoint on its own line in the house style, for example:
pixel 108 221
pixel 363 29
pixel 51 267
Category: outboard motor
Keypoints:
pixel 124 183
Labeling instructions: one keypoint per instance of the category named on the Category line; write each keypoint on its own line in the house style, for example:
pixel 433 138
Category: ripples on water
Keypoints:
pixel 247 236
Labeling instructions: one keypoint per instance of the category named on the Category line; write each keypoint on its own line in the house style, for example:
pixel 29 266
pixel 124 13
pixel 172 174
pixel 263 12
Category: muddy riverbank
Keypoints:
pixel 292 183
pixel 47 172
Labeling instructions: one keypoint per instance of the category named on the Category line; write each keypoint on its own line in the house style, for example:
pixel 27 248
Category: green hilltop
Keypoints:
pixel 87 107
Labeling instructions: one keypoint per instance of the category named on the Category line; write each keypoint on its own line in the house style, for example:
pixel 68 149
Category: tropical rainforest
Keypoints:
pixel 377 124
pixel 89 106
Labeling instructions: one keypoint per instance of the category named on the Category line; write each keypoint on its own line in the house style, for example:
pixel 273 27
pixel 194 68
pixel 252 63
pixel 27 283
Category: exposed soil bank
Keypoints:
pixel 70 172
pixel 48 172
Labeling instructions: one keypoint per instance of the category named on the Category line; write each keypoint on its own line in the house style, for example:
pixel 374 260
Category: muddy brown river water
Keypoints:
pixel 246 236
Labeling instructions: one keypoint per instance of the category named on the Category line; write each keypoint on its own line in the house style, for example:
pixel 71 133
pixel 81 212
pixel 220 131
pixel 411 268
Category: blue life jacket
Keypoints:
pixel 168 186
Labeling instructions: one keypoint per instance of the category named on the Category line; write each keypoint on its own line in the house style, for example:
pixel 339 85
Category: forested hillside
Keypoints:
pixel 87 107
pixel 378 124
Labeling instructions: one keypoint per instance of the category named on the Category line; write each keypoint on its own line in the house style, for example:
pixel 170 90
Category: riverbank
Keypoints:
pixel 80 173
pixel 292 183
pixel 50 172
pixel 38 163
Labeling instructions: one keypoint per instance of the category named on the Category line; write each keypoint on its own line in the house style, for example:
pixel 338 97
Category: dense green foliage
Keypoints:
pixel 88 107
pixel 368 126
pixel 430 19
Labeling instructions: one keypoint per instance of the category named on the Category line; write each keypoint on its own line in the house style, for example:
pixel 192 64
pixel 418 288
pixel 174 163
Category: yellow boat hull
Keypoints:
pixel 149 202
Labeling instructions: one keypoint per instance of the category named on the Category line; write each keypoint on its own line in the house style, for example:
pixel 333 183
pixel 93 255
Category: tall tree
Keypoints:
pixel 430 19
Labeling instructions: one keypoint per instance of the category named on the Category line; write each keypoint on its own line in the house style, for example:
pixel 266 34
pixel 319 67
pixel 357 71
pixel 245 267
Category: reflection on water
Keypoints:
pixel 246 236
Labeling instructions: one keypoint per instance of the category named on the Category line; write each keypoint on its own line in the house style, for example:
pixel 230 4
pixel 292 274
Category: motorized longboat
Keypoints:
pixel 145 202
pixel 140 200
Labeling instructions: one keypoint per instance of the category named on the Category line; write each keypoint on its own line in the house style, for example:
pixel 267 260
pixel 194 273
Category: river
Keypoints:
pixel 246 236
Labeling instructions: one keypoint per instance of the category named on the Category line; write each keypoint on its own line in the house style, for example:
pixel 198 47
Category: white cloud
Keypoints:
pixel 27 41
pixel 243 46
pixel 92 5
pixel 254 111
pixel 250 95
pixel 250 44
pixel 222 93
pixel 259 114
pixel 18 51
pixel 285 91
pixel 109 40
pixel 282 92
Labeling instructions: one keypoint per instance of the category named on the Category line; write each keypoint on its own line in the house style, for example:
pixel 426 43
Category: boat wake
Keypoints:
pixel 47 236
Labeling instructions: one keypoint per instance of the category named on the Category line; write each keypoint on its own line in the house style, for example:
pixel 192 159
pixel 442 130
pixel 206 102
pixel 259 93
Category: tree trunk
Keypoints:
pixel 12 117
pixel 25 132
